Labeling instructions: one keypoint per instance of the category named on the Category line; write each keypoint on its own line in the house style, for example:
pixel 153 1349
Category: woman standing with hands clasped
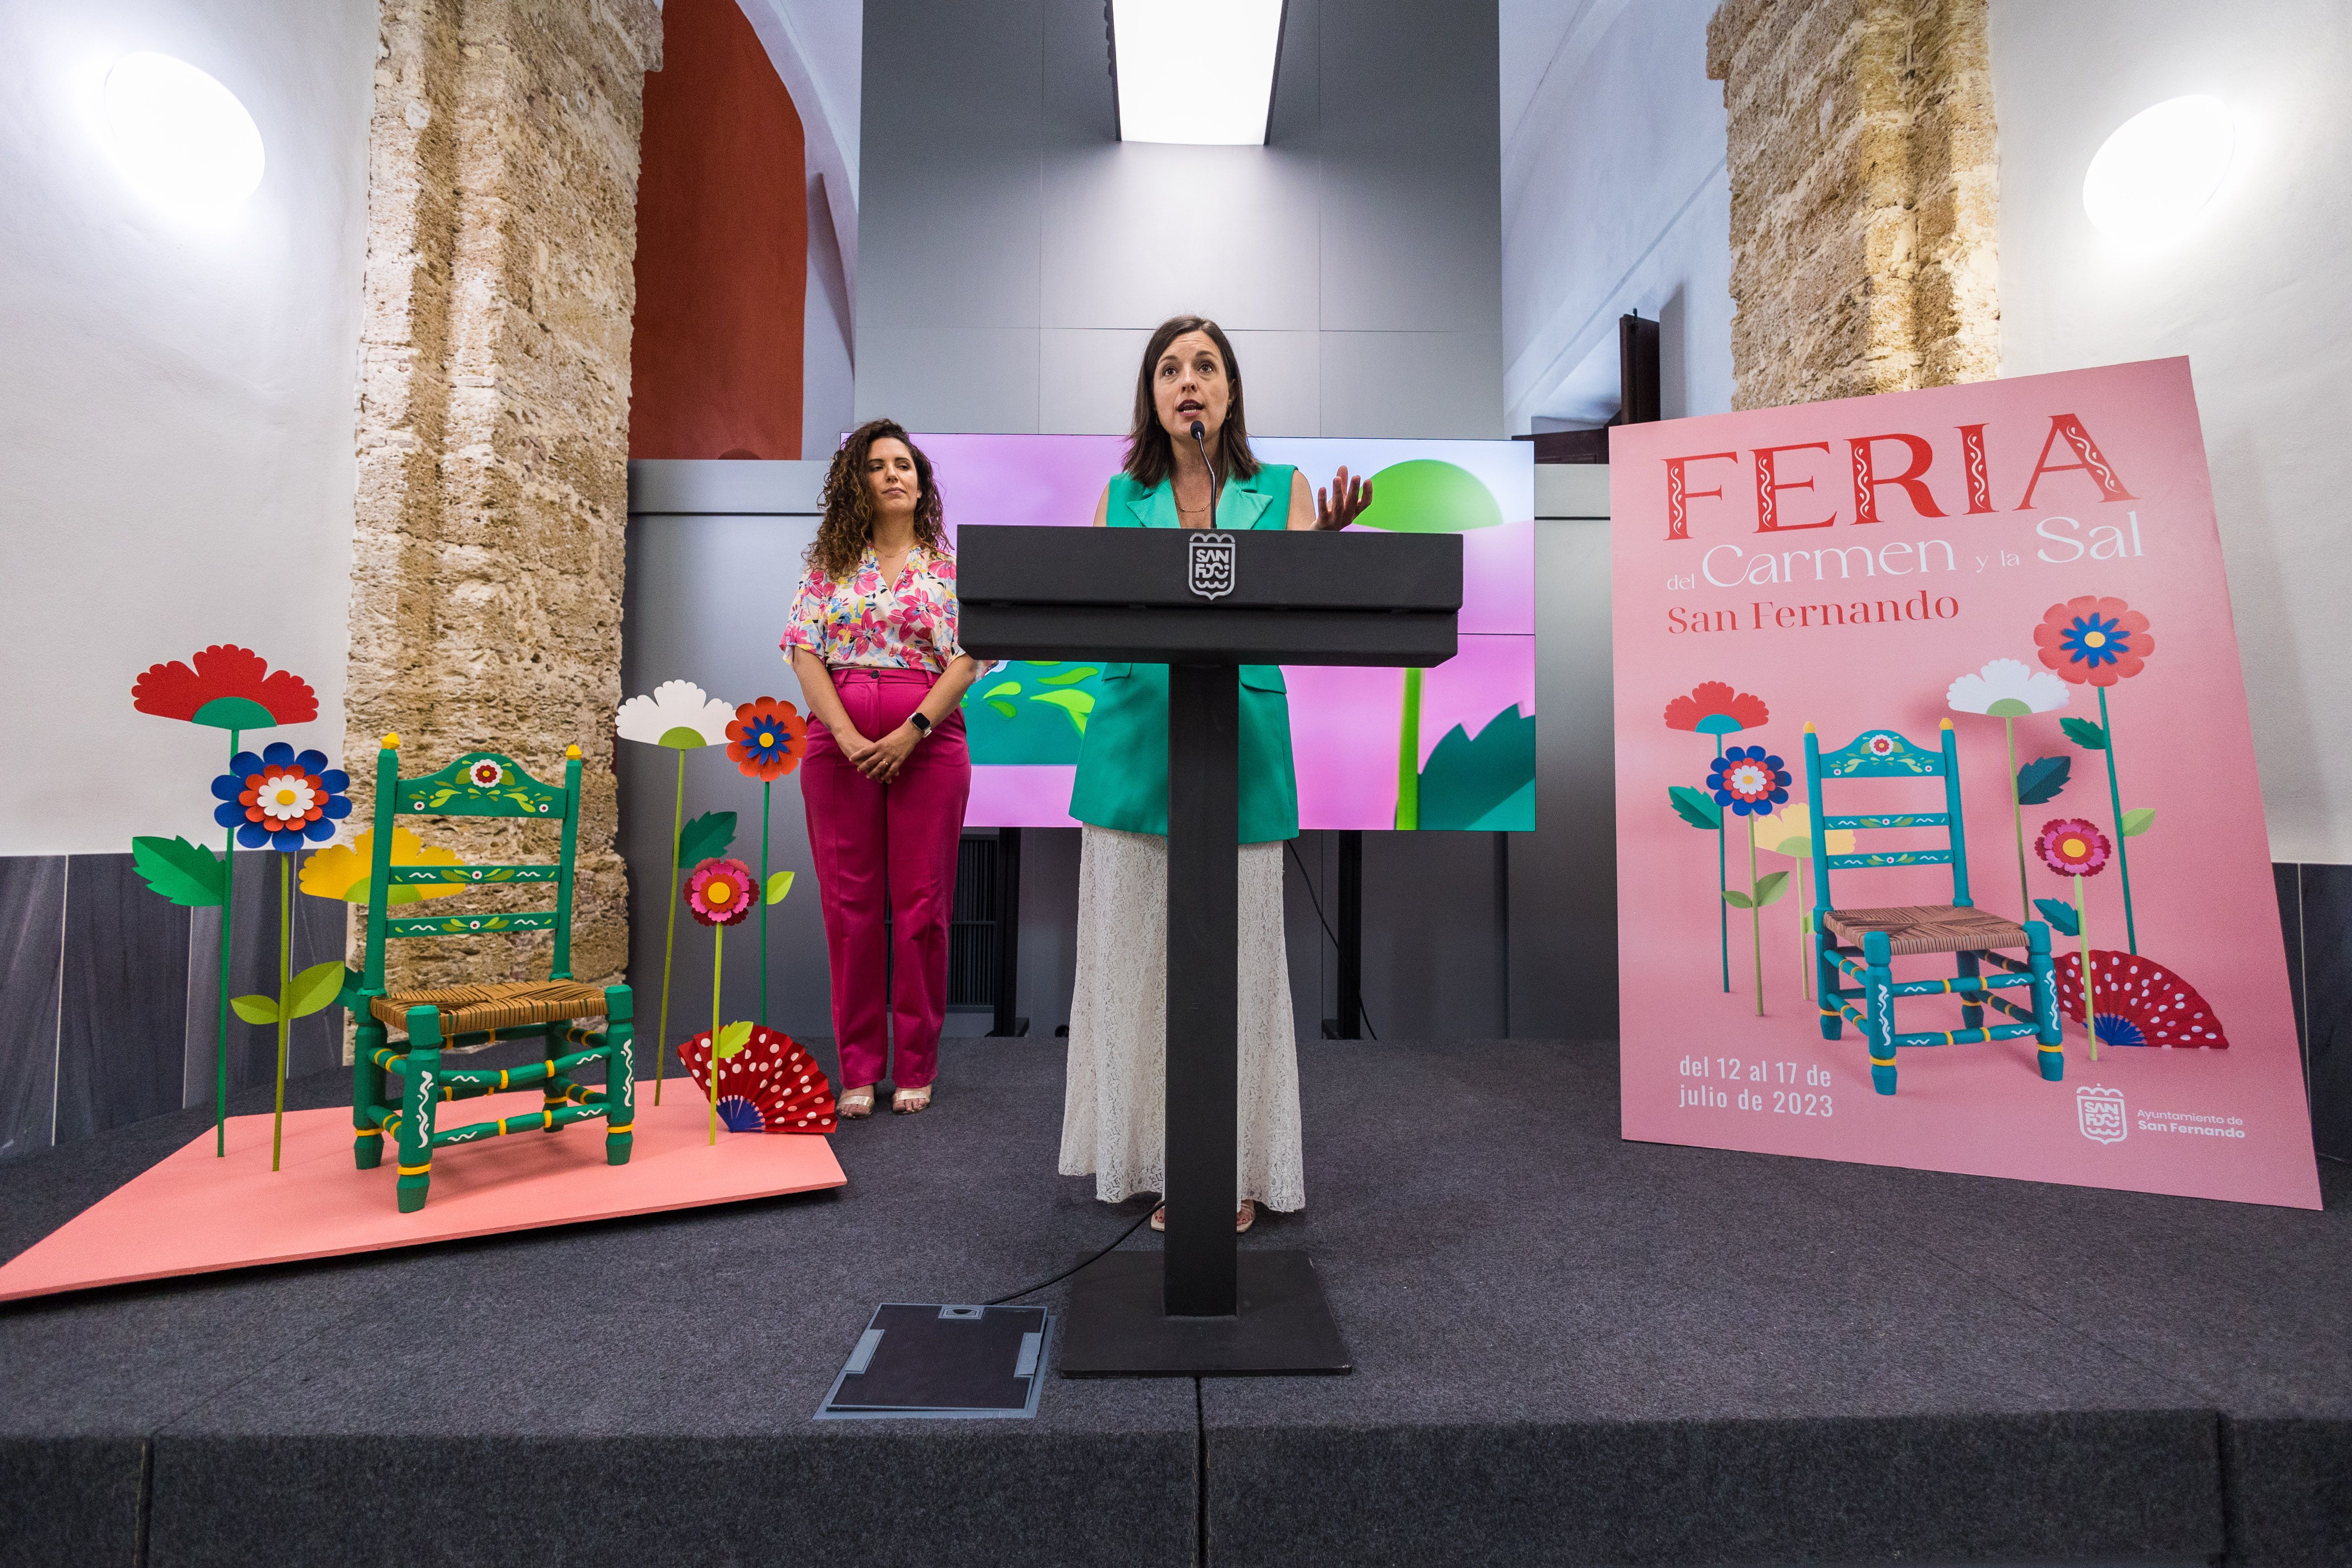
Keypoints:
pixel 1114 1116
pixel 873 639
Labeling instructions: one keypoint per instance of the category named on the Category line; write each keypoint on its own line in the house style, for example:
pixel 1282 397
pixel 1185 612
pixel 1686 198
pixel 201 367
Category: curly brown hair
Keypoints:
pixel 848 525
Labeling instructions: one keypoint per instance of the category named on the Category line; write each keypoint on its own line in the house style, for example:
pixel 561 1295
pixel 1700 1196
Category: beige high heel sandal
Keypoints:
pixel 856 1104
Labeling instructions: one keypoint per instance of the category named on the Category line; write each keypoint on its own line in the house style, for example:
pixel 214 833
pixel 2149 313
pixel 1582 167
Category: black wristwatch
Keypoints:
pixel 922 725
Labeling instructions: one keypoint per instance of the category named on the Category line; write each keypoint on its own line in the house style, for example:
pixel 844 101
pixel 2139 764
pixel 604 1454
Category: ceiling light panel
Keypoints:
pixel 1199 72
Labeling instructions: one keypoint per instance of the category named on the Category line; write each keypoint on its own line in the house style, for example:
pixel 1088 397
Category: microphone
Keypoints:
pixel 1201 439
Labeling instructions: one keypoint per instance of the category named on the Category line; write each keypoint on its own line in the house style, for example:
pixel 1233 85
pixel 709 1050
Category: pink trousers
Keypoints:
pixel 897 842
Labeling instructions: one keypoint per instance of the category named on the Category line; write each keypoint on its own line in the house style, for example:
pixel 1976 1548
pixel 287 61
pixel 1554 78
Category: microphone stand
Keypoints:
pixel 1217 488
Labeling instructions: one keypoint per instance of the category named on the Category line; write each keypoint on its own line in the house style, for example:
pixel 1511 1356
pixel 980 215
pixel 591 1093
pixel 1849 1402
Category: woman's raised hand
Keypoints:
pixel 1343 502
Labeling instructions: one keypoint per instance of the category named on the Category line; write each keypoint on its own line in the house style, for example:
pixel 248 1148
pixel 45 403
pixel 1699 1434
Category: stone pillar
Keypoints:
pixel 493 427
pixel 1865 196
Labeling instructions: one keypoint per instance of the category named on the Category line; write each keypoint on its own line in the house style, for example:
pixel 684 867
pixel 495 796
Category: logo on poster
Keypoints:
pixel 2101 1113
pixel 1211 562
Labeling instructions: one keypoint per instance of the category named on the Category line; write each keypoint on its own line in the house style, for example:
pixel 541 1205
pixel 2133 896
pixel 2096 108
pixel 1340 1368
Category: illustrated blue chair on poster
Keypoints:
pixel 1854 949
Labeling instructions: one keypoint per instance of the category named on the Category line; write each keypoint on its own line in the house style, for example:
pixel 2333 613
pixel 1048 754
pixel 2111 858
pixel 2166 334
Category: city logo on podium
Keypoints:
pixel 2101 1114
pixel 1211 563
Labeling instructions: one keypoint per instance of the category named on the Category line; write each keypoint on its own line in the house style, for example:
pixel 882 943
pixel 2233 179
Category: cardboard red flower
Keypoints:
pixel 228 687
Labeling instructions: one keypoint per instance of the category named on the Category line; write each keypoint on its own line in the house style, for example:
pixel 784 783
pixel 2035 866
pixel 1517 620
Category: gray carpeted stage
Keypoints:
pixel 1568 1348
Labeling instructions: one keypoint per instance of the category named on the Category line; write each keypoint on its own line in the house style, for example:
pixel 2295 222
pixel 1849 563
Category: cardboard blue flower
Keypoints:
pixel 281 800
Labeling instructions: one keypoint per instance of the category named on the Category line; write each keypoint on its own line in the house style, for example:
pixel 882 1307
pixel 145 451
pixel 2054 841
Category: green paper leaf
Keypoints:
pixel 2060 916
pixel 2138 820
pixel 255 1009
pixel 349 997
pixel 1695 806
pixel 188 874
pixel 1076 704
pixel 1770 887
pixel 2084 734
pixel 704 836
pixel 732 1038
pixel 314 988
pixel 682 738
pixel 778 886
pixel 2041 779
pixel 1735 898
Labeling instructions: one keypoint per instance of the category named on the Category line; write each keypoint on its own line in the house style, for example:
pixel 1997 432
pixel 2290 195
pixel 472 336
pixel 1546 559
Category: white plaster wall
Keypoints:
pixel 1615 199
pixel 176 406
pixel 2253 293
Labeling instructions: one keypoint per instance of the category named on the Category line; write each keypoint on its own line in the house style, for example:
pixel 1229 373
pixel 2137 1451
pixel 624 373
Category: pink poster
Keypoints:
pixel 1965 655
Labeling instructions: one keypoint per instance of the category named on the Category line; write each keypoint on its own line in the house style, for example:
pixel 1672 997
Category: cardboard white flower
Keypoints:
pixel 2007 689
pixel 679 715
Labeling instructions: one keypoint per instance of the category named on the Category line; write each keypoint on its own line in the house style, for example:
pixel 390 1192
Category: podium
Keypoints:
pixel 1204 603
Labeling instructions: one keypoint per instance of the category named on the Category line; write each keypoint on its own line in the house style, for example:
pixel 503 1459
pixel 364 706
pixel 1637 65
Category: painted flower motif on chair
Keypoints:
pixel 2094 640
pixel 2072 847
pixel 485 774
pixel 2007 689
pixel 1714 709
pixel 280 799
pixel 766 739
pixel 679 715
pixel 721 892
pixel 1749 780
pixel 229 688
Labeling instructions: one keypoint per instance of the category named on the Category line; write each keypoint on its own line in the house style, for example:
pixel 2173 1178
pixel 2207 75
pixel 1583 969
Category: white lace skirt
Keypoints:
pixel 1114 1116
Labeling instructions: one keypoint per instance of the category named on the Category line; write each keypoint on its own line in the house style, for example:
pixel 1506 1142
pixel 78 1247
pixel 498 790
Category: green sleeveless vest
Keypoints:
pixel 1123 762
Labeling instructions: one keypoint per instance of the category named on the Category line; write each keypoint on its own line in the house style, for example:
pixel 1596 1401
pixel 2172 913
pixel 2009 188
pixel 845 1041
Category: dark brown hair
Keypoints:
pixel 1150 455
pixel 848 525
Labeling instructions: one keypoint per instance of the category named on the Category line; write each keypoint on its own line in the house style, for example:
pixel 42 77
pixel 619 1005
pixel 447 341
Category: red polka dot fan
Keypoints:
pixel 771 1085
pixel 2140 1002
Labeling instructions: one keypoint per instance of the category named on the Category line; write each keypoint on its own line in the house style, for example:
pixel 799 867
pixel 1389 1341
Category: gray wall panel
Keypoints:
pixel 950 134
pixel 121 1033
pixel 948 378
pixel 32 941
pixel 1085 379
pixel 675 627
pixel 1411 383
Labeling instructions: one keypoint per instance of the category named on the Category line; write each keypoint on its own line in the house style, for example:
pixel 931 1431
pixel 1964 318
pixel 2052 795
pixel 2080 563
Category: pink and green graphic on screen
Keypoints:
pixel 1448 748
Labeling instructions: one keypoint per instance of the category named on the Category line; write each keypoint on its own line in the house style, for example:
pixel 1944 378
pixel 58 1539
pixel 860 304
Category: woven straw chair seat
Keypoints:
pixel 1927 928
pixel 512 1005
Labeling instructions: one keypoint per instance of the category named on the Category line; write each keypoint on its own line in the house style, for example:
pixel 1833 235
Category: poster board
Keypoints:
pixel 1998 557
pixel 1463 734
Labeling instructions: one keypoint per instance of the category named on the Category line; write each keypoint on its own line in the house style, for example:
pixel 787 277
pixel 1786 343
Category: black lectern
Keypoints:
pixel 1204 603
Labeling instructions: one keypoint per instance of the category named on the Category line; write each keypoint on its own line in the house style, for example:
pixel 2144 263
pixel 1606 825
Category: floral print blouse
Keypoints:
pixel 867 623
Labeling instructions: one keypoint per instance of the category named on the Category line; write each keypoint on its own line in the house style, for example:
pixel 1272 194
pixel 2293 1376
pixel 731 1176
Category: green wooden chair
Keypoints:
pixel 479 783
pixel 1860 945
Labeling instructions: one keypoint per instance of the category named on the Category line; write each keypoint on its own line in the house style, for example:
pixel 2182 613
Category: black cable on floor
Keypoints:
pixel 1066 1273
pixel 1292 845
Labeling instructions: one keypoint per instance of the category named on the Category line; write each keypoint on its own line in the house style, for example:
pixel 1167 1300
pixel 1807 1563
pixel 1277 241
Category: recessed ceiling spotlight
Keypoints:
pixel 181 136
pixel 1195 70
pixel 2158 169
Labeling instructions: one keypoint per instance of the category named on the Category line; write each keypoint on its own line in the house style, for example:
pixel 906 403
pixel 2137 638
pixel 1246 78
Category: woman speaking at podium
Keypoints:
pixel 1189 465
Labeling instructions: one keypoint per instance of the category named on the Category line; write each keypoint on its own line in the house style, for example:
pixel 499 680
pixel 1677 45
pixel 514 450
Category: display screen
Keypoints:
pixel 1453 747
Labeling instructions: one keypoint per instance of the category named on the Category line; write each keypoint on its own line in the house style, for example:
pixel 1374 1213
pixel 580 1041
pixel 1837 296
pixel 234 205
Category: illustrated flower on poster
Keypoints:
pixel 684 718
pixel 2141 1003
pixel 225 687
pixel 1714 709
pixel 222 687
pixel 1753 783
pixel 2098 642
pixel 766 739
pixel 2074 849
pixel 721 893
pixel 280 799
pixel 1794 827
pixel 2008 689
pixel 341 870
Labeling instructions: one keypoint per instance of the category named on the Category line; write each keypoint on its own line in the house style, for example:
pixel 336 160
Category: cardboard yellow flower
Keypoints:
pixel 341 870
